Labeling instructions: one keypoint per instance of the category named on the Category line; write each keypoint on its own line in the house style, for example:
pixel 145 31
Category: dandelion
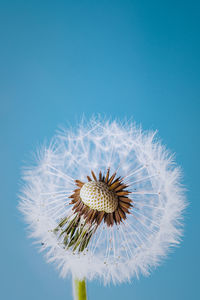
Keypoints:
pixel 104 201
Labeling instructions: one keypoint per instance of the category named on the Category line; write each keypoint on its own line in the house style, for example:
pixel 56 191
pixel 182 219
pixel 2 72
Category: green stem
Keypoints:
pixel 79 289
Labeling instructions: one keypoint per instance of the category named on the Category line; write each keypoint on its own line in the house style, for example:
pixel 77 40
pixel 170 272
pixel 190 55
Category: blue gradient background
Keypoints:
pixel 60 59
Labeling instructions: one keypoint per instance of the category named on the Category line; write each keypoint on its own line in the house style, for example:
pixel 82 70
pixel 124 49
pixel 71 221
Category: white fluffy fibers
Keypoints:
pixel 122 251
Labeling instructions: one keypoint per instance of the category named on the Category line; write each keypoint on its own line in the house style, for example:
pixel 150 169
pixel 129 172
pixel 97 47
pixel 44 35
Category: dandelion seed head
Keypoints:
pixel 117 236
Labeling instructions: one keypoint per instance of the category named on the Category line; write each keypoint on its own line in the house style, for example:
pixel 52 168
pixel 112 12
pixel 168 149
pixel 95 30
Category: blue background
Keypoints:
pixel 60 59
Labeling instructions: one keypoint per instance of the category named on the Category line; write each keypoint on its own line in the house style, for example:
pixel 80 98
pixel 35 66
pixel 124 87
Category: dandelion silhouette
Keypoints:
pixel 104 201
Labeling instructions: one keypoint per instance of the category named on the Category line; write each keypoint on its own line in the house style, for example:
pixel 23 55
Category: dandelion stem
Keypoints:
pixel 79 289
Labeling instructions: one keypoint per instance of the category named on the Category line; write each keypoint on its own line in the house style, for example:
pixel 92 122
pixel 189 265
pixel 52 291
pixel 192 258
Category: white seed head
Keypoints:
pixel 137 244
pixel 97 195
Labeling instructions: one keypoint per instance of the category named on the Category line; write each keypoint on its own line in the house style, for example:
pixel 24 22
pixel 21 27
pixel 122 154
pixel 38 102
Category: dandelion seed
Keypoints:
pixel 104 201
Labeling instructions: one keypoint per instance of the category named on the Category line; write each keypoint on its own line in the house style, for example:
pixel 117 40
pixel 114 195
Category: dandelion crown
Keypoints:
pixel 104 201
